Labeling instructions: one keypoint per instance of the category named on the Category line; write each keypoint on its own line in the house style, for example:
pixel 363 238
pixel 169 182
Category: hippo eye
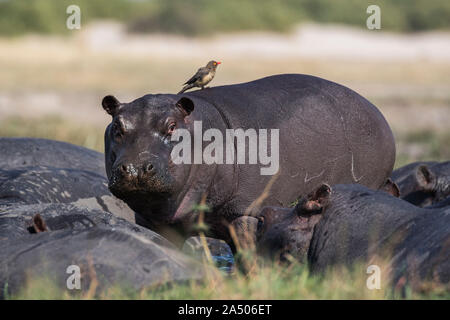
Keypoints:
pixel 171 127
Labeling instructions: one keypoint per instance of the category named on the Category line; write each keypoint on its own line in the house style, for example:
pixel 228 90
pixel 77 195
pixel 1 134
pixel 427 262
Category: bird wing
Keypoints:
pixel 198 75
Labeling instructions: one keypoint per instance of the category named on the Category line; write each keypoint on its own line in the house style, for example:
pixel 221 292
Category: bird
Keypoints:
pixel 202 77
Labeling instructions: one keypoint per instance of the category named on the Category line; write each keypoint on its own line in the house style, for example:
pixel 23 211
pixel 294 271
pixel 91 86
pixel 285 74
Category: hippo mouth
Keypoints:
pixel 142 195
pixel 152 206
pixel 146 193
pixel 135 184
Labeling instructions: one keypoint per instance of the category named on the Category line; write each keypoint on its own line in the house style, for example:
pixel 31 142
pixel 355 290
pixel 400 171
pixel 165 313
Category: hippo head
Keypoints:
pixel 138 148
pixel 282 233
pixel 441 178
pixel 428 184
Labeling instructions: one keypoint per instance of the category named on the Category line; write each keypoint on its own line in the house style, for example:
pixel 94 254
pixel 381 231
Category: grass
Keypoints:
pixel 54 127
pixel 264 281
pixel 422 145
pixel 68 67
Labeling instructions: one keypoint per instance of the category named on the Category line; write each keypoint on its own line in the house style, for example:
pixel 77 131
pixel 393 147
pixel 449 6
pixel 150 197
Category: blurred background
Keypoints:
pixel 52 79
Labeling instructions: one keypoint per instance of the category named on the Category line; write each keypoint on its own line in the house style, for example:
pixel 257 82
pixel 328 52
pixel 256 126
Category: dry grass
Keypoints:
pixel 265 281
pixel 54 127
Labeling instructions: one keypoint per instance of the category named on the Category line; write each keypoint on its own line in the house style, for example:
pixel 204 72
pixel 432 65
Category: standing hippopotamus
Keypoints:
pixel 423 183
pixel 327 133
pixel 347 224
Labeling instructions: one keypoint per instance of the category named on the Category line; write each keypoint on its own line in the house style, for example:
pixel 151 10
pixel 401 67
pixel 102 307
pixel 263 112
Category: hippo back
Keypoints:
pixel 25 152
pixel 41 184
pixel 327 133
pixel 110 257
pixel 359 224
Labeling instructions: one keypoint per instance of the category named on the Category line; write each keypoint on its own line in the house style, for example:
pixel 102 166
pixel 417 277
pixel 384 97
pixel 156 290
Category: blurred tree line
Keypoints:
pixel 203 17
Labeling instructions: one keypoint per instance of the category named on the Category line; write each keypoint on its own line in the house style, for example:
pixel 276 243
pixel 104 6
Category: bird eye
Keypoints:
pixel 171 127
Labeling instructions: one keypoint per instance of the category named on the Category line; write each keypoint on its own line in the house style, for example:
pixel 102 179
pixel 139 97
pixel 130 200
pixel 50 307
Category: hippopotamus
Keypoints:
pixel 104 257
pixel 327 133
pixel 107 211
pixel 348 224
pixel 41 184
pixel 423 183
pixel 30 152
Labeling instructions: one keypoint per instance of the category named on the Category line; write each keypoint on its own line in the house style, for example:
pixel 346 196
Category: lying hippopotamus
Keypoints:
pixel 423 183
pixel 327 133
pixel 104 257
pixel 20 220
pixel 347 224
pixel 29 152
pixel 41 184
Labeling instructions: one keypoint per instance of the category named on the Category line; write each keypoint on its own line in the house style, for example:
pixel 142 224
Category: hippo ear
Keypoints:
pixel 186 105
pixel 111 105
pixel 425 178
pixel 38 224
pixel 315 201
pixel 391 187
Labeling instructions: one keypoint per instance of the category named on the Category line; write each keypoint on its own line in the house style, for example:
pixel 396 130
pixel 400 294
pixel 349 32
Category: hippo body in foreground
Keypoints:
pixel 42 184
pixel 106 258
pixel 349 224
pixel 423 183
pixel 20 220
pixel 327 133
pixel 29 152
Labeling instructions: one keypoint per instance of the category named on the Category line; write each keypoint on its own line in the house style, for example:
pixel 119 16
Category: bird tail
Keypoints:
pixel 189 86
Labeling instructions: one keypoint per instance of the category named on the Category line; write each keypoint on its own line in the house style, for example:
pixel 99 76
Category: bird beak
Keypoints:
pixel 218 62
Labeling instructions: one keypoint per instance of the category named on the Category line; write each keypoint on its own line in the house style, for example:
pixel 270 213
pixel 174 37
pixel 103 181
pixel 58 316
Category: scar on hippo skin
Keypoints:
pixel 391 187
pixel 38 224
